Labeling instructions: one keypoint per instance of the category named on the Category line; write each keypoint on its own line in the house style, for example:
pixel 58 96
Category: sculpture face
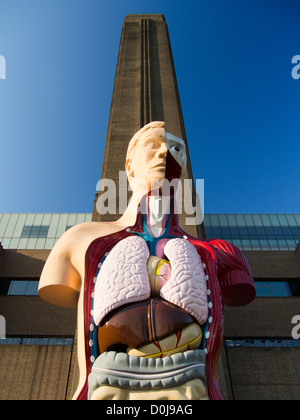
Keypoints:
pixel 147 162
pixel 176 147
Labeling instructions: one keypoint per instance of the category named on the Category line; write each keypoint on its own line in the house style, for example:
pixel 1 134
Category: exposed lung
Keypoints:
pixel 187 285
pixel 124 278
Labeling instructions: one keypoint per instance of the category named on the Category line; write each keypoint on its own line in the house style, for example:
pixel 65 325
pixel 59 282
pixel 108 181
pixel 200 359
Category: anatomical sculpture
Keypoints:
pixel 150 297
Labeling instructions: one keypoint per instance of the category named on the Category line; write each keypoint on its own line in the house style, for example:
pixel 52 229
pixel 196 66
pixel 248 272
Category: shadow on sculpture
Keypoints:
pixel 150 297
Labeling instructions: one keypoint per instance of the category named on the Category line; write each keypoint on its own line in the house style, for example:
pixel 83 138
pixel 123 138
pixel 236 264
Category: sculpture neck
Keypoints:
pixel 157 217
pixel 157 209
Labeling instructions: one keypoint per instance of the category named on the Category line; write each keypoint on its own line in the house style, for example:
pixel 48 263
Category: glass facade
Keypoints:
pixel 262 343
pixel 250 232
pixel 38 341
pixel 23 288
pixel 273 289
pixel 255 232
pixel 36 231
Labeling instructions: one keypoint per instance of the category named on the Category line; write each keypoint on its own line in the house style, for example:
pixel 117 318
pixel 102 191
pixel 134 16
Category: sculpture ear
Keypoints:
pixel 128 167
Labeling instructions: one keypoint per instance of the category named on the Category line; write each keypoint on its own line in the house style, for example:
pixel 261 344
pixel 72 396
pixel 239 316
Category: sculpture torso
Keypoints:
pixel 160 320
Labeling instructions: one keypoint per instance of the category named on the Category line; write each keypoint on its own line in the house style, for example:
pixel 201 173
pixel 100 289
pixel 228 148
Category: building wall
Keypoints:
pixel 246 372
pixel 264 373
pixel 39 372
pixel 264 317
pixel 31 316
pixel 34 372
pixel 274 264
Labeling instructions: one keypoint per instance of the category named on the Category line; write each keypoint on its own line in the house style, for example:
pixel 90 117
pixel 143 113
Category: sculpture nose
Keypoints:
pixel 163 150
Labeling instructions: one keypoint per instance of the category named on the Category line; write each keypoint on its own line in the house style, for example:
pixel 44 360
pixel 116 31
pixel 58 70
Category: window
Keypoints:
pixel 43 233
pixel 35 231
pixel 23 288
pixel 272 289
pixel 277 288
pixel 262 343
pixel 4 286
pixel 38 341
pixel 26 232
pixel 264 231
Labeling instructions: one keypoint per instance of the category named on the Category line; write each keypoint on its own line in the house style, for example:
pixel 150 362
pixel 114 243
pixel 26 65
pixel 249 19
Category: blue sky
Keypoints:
pixel 240 103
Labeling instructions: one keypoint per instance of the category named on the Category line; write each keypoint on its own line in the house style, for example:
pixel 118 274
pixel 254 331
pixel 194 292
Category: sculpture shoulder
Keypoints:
pixel 226 249
pixel 79 237
pixel 63 273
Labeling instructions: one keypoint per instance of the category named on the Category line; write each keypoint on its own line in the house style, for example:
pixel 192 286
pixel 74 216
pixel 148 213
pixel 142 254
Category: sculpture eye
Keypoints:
pixel 152 145
pixel 177 150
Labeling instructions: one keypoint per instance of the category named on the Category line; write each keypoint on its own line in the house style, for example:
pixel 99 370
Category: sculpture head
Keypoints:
pixel 152 154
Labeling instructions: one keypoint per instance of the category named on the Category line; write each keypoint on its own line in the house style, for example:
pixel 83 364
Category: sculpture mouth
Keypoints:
pixel 161 165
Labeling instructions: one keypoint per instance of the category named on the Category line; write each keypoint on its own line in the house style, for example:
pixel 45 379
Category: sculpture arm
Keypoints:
pixel 60 281
pixel 63 274
pixel 234 274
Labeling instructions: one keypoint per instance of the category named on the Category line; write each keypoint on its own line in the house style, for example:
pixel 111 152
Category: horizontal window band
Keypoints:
pixel 38 341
